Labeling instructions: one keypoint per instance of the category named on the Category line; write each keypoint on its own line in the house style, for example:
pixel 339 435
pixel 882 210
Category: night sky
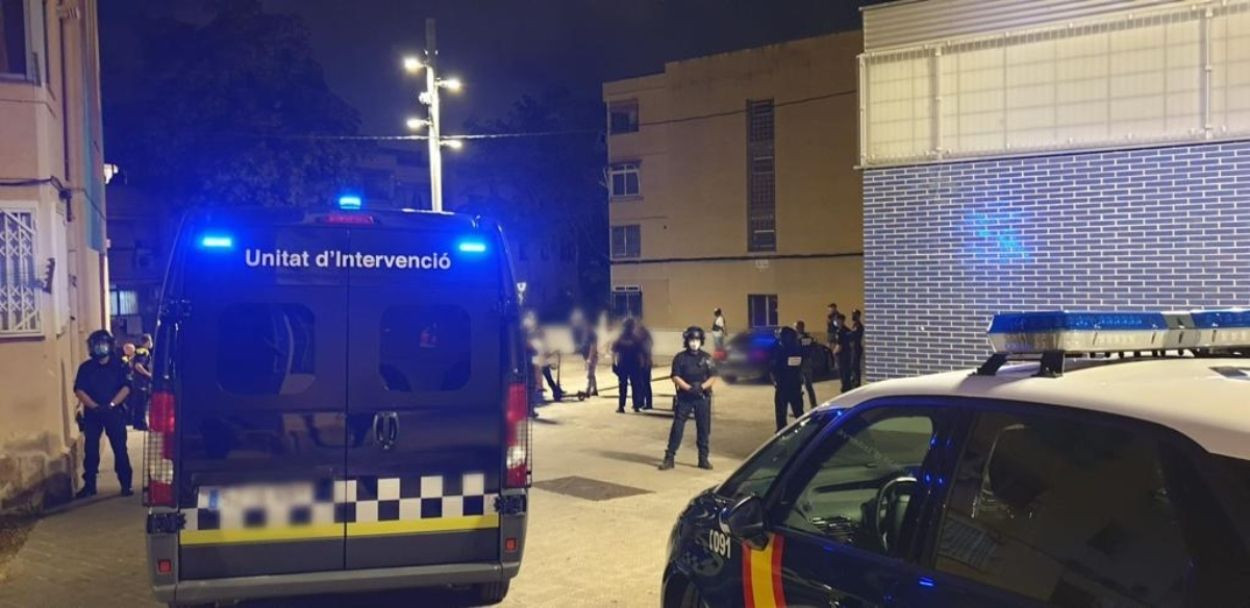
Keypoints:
pixel 502 49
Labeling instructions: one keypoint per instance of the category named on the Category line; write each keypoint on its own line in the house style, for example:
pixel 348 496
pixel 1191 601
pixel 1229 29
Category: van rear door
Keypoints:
pixel 261 356
pixel 425 398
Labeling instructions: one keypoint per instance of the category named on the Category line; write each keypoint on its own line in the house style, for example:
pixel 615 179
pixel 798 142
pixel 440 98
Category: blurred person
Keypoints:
pixel 844 354
pixel 102 385
pixel 810 351
pixel 627 360
pixel 141 383
pixel 586 340
pixel 694 375
pixel 834 320
pixel 643 385
pixel 786 369
pixel 857 347
pixel 718 330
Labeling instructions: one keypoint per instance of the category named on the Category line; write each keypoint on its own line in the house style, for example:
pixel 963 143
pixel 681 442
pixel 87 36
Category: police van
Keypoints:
pixel 1095 459
pixel 339 406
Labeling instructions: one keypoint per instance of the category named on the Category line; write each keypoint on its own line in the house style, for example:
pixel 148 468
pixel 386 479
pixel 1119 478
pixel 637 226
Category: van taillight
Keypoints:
pixel 518 431
pixel 158 451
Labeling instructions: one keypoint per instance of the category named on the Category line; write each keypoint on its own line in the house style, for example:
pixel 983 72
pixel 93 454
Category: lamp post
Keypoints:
pixel 430 97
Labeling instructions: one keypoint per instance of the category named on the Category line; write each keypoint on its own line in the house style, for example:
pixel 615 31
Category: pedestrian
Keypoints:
pixel 626 364
pixel 857 347
pixel 786 369
pixel 718 330
pixel 587 341
pixel 141 383
pixel 533 354
pixel 101 386
pixel 833 321
pixel 643 384
pixel 844 354
pixel 547 360
pixel 694 375
pixel 810 351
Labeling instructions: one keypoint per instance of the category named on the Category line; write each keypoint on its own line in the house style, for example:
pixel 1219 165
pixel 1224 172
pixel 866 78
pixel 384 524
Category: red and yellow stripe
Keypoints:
pixel 761 575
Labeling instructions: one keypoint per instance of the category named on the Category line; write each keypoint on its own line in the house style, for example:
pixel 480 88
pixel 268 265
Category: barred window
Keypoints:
pixel 625 180
pixel 626 241
pixel 761 177
pixel 19 286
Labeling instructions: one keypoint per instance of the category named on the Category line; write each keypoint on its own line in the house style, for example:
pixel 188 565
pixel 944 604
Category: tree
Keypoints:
pixel 546 184
pixel 221 113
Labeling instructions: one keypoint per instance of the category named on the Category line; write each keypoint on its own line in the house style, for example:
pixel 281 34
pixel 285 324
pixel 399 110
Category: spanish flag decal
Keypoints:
pixel 761 575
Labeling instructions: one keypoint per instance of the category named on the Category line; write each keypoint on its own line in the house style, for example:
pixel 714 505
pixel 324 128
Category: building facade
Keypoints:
pixel 1086 156
pixel 732 184
pixel 52 238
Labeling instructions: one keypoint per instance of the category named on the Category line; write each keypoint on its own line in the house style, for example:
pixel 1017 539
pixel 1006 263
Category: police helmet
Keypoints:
pixel 100 343
pixel 694 332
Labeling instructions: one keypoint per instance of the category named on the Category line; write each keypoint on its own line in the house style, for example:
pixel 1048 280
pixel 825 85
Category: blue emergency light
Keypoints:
pixel 350 202
pixel 471 246
pixel 216 241
pixel 1107 332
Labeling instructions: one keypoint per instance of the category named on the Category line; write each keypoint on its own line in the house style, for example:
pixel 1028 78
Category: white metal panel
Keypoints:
pixel 908 23
pixel 1230 73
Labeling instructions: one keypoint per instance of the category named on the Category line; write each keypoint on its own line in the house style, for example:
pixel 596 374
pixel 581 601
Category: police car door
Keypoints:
pixel 260 354
pixel 425 402
pixel 845 519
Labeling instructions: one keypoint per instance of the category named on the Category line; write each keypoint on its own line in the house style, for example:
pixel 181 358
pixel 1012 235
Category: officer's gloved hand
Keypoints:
pixel 695 391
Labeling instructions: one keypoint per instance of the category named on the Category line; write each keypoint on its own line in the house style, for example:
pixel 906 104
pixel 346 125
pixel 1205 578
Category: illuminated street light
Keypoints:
pixel 429 98
pixel 451 84
pixel 412 64
pixel 454 144
pixel 416 124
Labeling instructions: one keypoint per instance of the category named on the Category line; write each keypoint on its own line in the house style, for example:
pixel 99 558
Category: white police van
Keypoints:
pixel 1096 459
pixel 339 406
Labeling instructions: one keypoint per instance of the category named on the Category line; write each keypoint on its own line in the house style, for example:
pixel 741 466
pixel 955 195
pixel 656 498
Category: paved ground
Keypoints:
pixel 581 552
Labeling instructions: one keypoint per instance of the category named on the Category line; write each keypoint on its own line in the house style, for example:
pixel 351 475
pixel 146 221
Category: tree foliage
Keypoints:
pixel 220 112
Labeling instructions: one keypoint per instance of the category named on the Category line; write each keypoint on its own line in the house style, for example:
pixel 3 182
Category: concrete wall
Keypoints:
pixel 692 210
pixel 38 438
pixel 948 245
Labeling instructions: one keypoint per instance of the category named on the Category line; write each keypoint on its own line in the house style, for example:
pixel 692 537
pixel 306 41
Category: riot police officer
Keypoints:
pixel 810 351
pixel 787 373
pixel 102 385
pixel 693 374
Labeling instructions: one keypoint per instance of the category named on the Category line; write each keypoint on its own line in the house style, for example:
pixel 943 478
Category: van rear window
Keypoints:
pixel 265 349
pixel 424 348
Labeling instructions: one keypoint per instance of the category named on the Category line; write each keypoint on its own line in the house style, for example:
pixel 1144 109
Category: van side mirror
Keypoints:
pixel 745 521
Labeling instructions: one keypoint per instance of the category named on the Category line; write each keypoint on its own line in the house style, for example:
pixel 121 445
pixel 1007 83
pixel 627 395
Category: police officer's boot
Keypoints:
pixel 704 464
pixel 87 491
pixel 667 464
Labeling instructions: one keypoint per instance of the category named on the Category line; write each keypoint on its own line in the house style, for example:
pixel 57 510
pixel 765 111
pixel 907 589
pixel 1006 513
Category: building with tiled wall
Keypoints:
pixel 1085 158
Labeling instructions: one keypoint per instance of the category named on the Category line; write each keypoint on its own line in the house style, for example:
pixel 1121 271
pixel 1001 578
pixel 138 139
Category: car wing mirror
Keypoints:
pixel 745 521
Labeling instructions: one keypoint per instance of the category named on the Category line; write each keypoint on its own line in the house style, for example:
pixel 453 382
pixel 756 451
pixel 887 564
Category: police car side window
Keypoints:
pixel 424 348
pixel 266 349
pixel 1070 513
pixel 757 475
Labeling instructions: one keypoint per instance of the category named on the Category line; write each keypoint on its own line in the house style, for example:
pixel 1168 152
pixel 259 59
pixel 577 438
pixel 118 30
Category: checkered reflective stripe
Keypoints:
pixel 347 501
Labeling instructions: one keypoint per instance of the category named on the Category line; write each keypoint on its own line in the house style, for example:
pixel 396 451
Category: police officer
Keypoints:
pixel 102 385
pixel 810 351
pixel 694 375
pixel 787 373
pixel 141 385
pixel 845 354
pixel 857 347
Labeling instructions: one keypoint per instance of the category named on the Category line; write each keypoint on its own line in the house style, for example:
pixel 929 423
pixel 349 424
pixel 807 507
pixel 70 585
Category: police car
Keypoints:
pixel 1088 462
pixel 339 406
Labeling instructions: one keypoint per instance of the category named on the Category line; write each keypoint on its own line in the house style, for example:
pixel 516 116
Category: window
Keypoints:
pixel 626 241
pixel 124 302
pixel 857 488
pixel 762 310
pixel 624 180
pixel 13 37
pixel 425 348
pixel 757 475
pixel 627 301
pixel 266 349
pixel 761 177
pixel 623 117
pixel 1068 513
pixel 19 281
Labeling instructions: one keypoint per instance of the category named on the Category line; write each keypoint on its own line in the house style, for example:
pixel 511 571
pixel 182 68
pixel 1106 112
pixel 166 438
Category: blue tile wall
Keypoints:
pixel 948 245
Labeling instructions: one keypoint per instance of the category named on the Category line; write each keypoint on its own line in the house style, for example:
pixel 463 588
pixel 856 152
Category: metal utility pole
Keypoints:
pixel 435 141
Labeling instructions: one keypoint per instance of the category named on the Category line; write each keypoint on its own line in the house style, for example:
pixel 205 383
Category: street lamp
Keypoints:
pixel 429 98
pixel 454 144
pixel 451 84
pixel 416 124
pixel 412 64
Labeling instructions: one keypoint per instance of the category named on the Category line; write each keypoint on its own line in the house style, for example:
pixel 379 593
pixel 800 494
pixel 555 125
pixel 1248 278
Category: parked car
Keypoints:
pixel 746 356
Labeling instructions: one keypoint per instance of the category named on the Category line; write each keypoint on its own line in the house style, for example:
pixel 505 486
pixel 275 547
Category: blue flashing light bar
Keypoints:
pixel 350 202
pixel 1100 332
pixel 471 246
pixel 216 241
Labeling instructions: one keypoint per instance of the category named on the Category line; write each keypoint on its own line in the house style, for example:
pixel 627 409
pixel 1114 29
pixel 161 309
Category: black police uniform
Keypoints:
pixel 787 371
pixel 857 353
pixel 140 390
pixel 695 368
pixel 810 351
pixel 102 382
pixel 846 357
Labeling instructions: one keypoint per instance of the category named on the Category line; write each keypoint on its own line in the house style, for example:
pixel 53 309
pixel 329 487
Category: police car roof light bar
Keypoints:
pixel 1054 335
pixel 349 202
pixel 216 241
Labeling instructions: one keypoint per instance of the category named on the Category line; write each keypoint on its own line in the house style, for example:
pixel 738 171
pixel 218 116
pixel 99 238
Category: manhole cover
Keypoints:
pixel 589 489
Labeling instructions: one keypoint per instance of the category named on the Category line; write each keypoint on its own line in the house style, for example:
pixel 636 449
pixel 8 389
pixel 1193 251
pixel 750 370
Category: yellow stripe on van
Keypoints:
pixel 424 526
pixel 260 535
